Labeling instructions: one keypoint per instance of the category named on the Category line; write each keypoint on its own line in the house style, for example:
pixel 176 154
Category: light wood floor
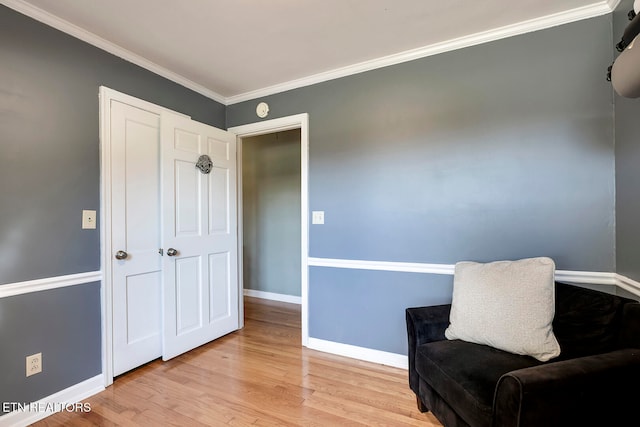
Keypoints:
pixel 260 375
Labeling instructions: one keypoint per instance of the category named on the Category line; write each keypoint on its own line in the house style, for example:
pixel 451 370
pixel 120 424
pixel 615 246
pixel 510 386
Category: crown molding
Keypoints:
pixel 590 11
pixel 97 41
pixel 573 15
pixel 613 4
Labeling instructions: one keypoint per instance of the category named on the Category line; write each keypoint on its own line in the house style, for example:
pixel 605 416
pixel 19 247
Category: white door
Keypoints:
pixel 199 234
pixel 135 218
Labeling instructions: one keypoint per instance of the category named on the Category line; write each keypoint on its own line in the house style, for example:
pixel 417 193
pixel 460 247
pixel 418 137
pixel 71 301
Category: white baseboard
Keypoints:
pixel 273 296
pixel 43 408
pixel 361 353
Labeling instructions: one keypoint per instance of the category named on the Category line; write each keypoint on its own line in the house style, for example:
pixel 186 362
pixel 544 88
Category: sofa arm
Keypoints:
pixel 424 324
pixel 629 335
pixel 586 391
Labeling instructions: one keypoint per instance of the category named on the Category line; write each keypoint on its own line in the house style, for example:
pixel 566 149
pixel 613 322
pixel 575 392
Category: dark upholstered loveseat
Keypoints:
pixel 594 382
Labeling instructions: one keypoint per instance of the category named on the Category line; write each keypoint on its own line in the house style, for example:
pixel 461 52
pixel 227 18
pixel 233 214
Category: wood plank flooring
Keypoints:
pixel 260 375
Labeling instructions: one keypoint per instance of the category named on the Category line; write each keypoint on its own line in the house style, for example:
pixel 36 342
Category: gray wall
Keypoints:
pixel 627 112
pixel 49 158
pixel 366 308
pixel 63 325
pixel 271 212
pixel 503 150
pixel 499 151
pixel 49 172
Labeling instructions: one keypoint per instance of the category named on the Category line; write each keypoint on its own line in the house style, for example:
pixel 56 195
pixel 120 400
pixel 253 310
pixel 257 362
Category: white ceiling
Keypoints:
pixel 232 50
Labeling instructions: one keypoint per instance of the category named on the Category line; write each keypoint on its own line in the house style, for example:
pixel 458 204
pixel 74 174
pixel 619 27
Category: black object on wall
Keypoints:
pixel 624 73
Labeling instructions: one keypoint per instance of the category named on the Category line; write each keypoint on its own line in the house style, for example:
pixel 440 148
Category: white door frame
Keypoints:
pixel 108 95
pixel 299 121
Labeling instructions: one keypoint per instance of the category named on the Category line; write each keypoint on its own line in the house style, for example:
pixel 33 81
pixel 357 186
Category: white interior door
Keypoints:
pixel 135 216
pixel 200 288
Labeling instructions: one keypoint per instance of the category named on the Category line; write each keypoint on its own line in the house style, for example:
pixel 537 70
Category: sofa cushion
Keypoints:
pixel 508 305
pixel 466 374
pixel 586 320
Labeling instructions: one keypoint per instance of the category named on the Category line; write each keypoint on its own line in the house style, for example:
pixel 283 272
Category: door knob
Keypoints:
pixel 172 252
pixel 121 255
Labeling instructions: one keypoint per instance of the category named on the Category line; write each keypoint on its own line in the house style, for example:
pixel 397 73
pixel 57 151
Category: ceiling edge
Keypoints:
pixel 573 15
pixel 577 14
pixel 86 36
pixel 613 4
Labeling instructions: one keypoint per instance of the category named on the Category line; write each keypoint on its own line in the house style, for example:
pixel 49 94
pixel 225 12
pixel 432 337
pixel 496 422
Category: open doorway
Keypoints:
pixel 271 216
pixel 278 136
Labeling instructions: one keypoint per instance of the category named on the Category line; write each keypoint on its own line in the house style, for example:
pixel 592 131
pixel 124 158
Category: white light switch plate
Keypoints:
pixel 88 219
pixel 317 217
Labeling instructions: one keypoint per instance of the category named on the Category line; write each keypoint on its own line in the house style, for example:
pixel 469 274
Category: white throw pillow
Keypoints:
pixel 508 305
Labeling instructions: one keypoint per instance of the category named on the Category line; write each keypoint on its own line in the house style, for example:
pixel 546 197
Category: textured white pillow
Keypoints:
pixel 508 305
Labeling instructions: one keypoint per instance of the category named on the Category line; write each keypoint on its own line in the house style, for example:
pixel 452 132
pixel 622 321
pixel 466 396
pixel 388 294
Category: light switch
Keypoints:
pixel 317 217
pixel 89 219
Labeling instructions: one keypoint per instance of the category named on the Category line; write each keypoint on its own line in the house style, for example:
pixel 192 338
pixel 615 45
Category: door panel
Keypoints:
pixel 188 294
pixel 188 199
pixel 218 149
pixel 219 279
pixel 199 221
pixel 139 288
pixel 186 141
pixel 219 191
pixel 135 207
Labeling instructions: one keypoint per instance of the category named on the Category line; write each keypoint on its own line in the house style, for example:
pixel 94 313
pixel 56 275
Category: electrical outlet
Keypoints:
pixel 34 364
pixel 88 219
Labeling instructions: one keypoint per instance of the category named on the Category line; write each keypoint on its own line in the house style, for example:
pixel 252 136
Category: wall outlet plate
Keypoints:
pixel 88 219
pixel 317 217
pixel 34 364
